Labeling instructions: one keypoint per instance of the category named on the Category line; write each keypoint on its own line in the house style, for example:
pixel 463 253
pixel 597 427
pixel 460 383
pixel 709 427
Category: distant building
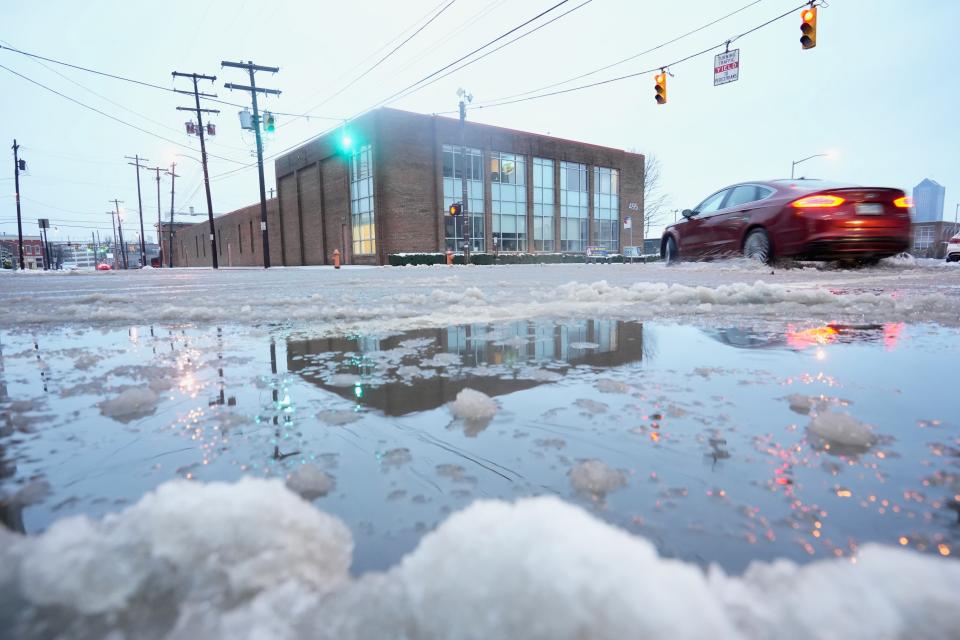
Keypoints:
pixel 930 238
pixel 928 199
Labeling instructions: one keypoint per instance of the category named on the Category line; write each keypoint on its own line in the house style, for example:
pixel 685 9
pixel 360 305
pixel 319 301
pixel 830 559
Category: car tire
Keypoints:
pixel 757 246
pixel 670 253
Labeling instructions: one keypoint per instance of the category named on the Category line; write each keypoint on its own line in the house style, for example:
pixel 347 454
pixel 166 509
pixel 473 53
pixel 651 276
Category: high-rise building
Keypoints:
pixel 928 201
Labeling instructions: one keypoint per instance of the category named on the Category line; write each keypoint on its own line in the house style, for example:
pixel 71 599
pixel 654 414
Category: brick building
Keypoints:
pixel 929 239
pixel 391 191
pixel 32 251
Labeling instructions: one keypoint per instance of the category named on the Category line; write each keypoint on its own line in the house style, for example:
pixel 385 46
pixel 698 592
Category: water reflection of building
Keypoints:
pixel 493 359
pixel 810 336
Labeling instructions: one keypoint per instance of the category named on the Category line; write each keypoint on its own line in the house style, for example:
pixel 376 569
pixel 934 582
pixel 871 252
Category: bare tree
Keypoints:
pixel 655 202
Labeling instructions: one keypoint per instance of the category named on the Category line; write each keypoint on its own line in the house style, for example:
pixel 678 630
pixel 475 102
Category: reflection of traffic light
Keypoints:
pixel 269 122
pixel 661 87
pixel 809 27
pixel 456 208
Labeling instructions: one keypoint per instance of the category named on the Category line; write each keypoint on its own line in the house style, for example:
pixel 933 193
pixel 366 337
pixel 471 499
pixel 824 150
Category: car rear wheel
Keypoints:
pixel 757 246
pixel 670 253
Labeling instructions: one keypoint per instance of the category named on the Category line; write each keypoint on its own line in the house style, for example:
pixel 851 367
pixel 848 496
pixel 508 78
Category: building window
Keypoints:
pixel 543 203
pixel 606 208
pixel 196 244
pixel 253 245
pixel 219 242
pixel 922 237
pixel 508 178
pixel 453 170
pixel 574 207
pixel 240 239
pixel 361 202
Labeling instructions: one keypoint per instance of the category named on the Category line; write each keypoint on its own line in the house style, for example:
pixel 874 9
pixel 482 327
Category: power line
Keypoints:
pixel 402 91
pixel 107 115
pixel 384 58
pixel 628 58
pixel 505 44
pixel 140 82
pixel 645 71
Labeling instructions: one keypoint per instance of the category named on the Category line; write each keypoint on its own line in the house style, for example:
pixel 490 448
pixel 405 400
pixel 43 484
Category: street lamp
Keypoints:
pixel 796 162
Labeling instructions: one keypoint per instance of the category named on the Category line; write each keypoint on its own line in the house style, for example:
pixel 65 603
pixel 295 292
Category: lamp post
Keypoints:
pixel 796 162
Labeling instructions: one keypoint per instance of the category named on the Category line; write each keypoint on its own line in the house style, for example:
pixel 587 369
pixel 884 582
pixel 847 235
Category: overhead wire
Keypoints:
pixel 631 57
pixel 645 71
pixel 111 117
pixel 382 59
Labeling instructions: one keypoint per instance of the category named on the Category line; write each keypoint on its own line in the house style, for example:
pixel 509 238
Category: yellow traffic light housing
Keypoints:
pixel 455 209
pixel 809 27
pixel 661 87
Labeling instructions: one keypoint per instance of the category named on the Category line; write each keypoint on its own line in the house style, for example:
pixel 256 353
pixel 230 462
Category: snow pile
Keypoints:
pixel 253 560
pixel 841 429
pixel 310 482
pixel 130 404
pixel 594 477
pixel 473 405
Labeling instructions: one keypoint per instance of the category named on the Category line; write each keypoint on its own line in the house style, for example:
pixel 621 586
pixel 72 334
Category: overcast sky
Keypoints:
pixel 880 91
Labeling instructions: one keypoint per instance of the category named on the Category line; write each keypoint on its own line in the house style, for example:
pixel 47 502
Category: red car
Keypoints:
pixel 804 219
pixel 103 266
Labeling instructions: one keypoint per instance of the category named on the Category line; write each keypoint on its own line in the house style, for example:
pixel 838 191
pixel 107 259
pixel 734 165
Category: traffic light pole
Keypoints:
pixel 203 151
pixel 254 90
pixel 16 179
pixel 143 247
pixel 464 205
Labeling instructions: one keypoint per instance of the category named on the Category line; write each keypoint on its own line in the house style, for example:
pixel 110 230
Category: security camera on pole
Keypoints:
pixel 465 98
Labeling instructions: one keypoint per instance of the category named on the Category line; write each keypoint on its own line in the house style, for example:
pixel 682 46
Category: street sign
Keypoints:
pixel 44 223
pixel 628 223
pixel 726 67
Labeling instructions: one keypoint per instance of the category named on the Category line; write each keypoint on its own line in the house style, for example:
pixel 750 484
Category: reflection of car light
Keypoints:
pixel 801 339
pixel 891 333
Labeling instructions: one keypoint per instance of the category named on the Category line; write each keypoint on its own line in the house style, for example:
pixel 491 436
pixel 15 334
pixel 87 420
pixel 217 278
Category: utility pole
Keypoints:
pixel 143 248
pixel 173 182
pixel 96 249
pixel 16 179
pixel 203 148
pixel 465 209
pixel 123 246
pixel 159 242
pixel 254 90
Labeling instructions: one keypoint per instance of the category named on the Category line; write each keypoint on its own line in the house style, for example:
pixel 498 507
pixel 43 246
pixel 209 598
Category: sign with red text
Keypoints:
pixel 726 67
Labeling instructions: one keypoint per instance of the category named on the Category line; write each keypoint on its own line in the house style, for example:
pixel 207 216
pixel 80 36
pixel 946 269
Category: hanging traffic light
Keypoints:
pixel 456 209
pixel 269 122
pixel 346 142
pixel 809 27
pixel 661 87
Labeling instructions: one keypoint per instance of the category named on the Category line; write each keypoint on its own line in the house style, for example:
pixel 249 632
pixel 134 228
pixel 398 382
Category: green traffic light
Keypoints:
pixel 346 142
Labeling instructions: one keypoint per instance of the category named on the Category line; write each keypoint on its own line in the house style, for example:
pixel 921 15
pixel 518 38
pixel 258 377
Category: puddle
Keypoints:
pixel 719 444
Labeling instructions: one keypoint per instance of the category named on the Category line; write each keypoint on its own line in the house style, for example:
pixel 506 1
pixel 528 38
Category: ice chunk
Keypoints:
pixel 606 385
pixel 310 482
pixel 131 404
pixel 841 429
pixel 594 477
pixel 800 403
pixel 473 405
pixel 338 418
pixel 343 380
pixel 190 540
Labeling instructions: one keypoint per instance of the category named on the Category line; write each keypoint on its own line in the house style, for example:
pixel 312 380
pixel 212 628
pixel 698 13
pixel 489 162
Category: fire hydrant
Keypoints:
pixel 336 258
pixel 450 257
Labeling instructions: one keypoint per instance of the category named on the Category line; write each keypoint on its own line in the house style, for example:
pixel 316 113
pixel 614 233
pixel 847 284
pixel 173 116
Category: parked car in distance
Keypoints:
pixel 953 249
pixel 103 266
pixel 803 219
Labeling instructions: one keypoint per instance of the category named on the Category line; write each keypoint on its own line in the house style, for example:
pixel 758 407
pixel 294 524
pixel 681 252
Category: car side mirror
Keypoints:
pixel 688 213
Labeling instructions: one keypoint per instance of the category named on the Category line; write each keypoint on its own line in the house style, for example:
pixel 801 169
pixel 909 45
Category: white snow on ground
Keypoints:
pixel 310 482
pixel 471 404
pixel 130 404
pixel 253 560
pixel 392 299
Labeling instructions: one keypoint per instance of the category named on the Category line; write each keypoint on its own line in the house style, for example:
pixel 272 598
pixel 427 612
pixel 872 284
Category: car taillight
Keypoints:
pixel 904 203
pixel 818 202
